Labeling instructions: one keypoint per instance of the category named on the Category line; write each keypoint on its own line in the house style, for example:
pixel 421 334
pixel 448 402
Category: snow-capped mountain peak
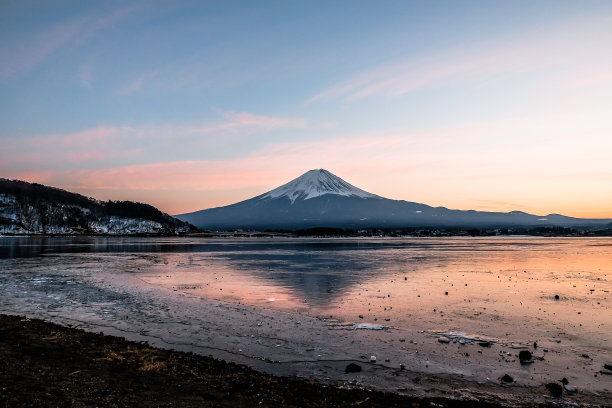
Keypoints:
pixel 315 183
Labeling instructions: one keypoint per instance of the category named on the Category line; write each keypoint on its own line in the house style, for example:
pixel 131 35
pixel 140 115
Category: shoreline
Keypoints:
pixel 296 235
pixel 83 368
pixel 45 362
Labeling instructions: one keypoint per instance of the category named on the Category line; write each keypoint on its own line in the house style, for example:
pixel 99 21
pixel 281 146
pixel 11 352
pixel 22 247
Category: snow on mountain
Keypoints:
pixel 316 183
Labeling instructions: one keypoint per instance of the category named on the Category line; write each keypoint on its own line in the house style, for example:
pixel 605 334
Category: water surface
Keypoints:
pixel 473 284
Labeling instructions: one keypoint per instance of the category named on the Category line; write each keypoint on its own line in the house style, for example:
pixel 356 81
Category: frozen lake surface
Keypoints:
pixel 308 306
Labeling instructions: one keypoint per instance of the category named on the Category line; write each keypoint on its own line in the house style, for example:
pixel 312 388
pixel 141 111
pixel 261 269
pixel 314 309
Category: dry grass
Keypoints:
pixel 152 366
pixel 146 361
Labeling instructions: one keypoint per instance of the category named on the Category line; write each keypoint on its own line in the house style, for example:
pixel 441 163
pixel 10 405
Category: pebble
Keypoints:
pixel 525 357
pixel 555 389
pixel 484 344
pixel 518 346
pixel 372 359
pixel 352 368
pixel 570 388
pixel 443 339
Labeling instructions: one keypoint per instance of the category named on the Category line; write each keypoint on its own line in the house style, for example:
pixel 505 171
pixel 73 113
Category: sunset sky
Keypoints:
pixel 189 105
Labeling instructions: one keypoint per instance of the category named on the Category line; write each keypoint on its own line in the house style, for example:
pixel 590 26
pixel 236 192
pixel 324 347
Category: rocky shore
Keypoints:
pixel 48 365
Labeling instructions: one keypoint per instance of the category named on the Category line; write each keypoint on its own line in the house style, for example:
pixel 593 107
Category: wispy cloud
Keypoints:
pixel 600 78
pixel 139 82
pixel 270 122
pixel 85 75
pixel 198 70
pixel 489 60
pixel 122 144
pixel 23 54
pixel 496 205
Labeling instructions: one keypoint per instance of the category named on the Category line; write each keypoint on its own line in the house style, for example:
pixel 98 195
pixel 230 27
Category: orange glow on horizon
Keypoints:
pixel 457 167
pixel 218 189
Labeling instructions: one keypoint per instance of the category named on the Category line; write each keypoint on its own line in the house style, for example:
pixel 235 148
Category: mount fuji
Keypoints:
pixel 319 198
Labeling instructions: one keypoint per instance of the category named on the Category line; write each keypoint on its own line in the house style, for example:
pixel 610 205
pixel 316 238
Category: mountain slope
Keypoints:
pixel 27 208
pixel 320 199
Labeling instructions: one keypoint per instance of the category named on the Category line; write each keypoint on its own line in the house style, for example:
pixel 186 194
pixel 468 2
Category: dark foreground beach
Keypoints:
pixel 47 365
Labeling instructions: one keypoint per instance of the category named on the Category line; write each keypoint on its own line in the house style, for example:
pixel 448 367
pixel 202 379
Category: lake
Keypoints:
pixel 507 290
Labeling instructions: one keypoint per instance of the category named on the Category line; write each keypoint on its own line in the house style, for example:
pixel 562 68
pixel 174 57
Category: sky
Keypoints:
pixel 493 106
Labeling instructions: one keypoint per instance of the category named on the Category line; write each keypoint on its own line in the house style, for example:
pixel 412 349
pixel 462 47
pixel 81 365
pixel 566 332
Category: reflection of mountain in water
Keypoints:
pixel 314 276
pixel 319 273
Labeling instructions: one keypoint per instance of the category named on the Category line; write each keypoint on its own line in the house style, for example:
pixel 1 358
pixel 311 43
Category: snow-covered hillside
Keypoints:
pixel 35 209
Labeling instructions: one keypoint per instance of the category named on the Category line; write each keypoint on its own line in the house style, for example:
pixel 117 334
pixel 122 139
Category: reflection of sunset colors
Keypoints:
pixel 488 106
pixel 499 287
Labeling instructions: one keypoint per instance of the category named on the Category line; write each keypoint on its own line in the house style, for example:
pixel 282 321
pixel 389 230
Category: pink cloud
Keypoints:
pixel 100 135
pixel 33 176
pixel 82 157
pixel 129 143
